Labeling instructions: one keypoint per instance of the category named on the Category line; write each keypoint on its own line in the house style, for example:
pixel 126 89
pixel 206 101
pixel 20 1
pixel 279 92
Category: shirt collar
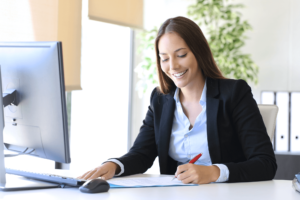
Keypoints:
pixel 202 99
pixel 203 95
pixel 176 95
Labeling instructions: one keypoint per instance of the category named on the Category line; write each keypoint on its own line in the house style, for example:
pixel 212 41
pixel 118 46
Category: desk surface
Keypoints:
pixel 275 190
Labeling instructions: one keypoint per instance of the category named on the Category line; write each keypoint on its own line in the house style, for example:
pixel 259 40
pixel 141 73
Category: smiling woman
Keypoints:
pixel 178 61
pixel 196 110
pixel 173 35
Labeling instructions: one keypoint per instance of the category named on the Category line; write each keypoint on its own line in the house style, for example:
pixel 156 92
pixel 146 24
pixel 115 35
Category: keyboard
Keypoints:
pixel 53 178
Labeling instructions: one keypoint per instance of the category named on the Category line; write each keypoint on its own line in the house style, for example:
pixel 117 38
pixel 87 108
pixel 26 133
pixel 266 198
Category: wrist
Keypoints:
pixel 117 168
pixel 215 173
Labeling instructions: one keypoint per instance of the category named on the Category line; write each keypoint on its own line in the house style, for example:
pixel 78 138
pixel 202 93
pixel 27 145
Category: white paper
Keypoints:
pixel 146 181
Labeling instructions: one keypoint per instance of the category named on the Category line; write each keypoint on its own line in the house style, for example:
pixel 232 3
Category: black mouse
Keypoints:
pixel 95 186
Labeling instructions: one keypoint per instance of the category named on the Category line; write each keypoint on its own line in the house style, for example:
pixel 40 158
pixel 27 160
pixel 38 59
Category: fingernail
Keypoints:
pixel 103 178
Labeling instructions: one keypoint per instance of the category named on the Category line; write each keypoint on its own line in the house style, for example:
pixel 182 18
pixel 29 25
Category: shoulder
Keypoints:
pixel 229 91
pixel 232 83
pixel 235 93
pixel 233 87
pixel 158 99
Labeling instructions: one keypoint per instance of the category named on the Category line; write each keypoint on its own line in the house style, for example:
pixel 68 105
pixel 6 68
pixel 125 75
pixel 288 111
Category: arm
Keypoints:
pixel 260 161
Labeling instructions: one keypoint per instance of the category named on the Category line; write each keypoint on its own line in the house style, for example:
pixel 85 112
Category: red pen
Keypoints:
pixel 192 161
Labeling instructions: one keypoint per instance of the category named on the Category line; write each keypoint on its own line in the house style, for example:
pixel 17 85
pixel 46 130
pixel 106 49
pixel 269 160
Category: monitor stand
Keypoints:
pixel 12 182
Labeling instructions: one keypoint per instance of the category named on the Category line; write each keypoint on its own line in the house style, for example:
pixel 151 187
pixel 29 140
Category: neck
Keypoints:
pixel 193 91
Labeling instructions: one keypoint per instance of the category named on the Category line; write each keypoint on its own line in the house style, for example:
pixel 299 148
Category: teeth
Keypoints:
pixel 180 74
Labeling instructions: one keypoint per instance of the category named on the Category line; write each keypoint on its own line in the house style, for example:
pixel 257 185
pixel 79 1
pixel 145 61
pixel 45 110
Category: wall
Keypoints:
pixel 274 43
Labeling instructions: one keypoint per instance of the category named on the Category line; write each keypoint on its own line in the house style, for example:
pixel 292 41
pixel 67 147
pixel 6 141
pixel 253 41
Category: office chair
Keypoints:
pixel 269 114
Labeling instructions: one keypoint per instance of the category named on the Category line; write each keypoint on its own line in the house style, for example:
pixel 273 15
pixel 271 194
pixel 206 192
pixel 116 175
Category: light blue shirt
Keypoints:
pixel 186 144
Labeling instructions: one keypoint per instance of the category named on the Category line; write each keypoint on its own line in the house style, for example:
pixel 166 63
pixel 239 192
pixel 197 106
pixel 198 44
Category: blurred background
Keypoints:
pixel 109 64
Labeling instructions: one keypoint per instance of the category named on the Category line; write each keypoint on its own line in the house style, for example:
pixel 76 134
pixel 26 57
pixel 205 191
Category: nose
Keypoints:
pixel 173 64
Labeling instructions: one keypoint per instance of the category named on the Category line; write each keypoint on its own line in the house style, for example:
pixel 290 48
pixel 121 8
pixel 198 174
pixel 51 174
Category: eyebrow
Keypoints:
pixel 174 51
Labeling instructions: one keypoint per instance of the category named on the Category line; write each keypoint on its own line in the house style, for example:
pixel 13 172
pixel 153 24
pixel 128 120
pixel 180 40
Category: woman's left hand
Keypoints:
pixel 197 174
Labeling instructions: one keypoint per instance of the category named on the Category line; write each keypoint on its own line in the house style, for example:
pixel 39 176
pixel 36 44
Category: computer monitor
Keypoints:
pixel 33 86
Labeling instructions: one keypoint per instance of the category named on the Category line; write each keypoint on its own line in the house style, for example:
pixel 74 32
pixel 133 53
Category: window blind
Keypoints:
pixel 121 12
pixel 44 20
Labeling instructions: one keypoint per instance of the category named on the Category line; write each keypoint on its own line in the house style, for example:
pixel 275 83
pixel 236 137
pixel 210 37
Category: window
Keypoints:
pixel 99 115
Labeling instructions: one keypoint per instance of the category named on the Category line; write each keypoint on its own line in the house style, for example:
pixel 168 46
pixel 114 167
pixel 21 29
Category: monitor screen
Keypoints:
pixel 36 124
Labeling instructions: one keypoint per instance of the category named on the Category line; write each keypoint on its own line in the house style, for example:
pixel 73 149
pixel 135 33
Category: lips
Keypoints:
pixel 178 75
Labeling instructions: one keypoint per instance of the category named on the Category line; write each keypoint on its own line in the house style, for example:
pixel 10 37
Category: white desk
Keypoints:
pixel 274 190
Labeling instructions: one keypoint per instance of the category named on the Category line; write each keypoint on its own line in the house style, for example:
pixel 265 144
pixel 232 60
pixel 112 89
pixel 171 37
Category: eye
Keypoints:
pixel 165 60
pixel 182 56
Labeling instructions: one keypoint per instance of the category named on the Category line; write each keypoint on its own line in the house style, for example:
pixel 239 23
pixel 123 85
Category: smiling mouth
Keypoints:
pixel 178 75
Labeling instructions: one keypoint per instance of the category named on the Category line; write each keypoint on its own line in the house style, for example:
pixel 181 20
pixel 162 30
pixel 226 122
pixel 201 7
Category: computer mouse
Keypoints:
pixel 94 186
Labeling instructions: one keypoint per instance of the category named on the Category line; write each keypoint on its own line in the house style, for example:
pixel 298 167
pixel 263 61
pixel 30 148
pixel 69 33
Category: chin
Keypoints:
pixel 180 85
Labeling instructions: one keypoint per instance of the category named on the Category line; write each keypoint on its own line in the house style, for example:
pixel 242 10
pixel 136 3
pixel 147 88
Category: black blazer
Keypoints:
pixel 236 134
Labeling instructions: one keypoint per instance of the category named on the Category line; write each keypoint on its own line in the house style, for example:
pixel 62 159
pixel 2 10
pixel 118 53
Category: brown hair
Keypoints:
pixel 191 33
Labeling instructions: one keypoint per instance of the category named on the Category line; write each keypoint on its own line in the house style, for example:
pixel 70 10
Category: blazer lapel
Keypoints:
pixel 165 130
pixel 212 123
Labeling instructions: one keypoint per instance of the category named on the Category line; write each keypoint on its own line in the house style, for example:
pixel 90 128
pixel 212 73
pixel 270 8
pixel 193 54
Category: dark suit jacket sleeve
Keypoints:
pixel 260 161
pixel 144 150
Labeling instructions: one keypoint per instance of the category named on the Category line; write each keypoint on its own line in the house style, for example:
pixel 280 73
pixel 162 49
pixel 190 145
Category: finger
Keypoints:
pixel 88 175
pixel 182 168
pixel 184 175
pixel 190 179
pixel 83 175
pixel 108 175
pixel 97 174
pixel 188 176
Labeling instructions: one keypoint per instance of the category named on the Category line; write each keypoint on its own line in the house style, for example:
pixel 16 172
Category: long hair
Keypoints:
pixel 191 33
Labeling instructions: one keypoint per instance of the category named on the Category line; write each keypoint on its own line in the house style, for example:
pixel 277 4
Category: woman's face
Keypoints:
pixel 177 60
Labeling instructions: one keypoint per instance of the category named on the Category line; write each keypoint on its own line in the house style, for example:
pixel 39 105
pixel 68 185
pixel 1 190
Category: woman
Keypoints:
pixel 196 110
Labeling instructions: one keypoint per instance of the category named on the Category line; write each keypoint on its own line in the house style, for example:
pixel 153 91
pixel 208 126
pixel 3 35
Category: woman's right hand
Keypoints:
pixel 105 171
